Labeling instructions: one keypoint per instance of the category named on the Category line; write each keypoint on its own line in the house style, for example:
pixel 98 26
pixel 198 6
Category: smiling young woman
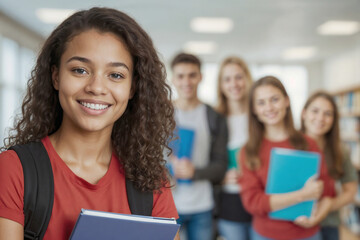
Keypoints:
pixel 90 101
pixel 320 120
pixel 270 126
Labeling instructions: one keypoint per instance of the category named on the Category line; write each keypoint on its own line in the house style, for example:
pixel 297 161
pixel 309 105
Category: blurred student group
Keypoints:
pixel 221 155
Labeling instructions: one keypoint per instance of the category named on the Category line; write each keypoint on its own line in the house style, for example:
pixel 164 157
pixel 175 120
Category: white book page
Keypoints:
pixel 128 217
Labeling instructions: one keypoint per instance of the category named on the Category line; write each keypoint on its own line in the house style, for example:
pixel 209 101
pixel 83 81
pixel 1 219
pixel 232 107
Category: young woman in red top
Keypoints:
pixel 98 101
pixel 271 125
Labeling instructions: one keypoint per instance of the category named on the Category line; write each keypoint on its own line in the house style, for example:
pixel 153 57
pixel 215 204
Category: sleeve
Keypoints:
pixel 217 166
pixel 329 184
pixel 11 187
pixel 350 174
pixel 253 196
pixel 164 205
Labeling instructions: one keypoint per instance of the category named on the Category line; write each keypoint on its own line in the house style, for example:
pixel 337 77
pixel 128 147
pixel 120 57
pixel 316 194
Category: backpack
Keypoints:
pixel 39 190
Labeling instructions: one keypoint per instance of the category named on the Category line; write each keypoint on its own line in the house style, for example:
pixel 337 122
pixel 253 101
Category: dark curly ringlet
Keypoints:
pixel 142 133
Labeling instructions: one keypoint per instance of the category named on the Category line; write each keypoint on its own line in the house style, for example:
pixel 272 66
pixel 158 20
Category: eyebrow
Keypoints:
pixel 85 60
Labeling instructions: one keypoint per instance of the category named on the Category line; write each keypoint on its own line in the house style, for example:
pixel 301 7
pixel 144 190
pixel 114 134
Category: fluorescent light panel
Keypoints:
pixel 53 15
pixel 299 53
pixel 339 28
pixel 199 47
pixel 211 25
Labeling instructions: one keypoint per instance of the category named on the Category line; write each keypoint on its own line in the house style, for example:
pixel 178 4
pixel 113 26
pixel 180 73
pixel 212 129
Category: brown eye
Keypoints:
pixel 79 71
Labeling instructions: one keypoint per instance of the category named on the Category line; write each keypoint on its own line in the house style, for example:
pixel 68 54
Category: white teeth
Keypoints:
pixel 94 106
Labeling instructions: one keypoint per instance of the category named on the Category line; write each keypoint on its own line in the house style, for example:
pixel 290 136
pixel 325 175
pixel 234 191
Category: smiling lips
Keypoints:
pixel 94 106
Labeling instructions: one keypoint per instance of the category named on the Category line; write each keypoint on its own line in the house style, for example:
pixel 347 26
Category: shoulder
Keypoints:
pixel 11 171
pixel 214 116
pixel 9 162
pixel 163 205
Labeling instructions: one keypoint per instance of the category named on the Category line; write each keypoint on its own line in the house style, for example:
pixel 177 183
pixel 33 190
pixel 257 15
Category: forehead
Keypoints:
pixel 232 68
pixel 267 91
pixel 322 103
pixel 98 47
pixel 186 68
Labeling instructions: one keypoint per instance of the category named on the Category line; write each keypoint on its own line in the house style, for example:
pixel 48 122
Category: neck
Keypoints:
pixel 75 146
pixel 236 107
pixel 187 104
pixel 276 132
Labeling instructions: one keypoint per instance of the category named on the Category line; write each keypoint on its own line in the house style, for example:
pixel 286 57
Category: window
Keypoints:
pixel 16 63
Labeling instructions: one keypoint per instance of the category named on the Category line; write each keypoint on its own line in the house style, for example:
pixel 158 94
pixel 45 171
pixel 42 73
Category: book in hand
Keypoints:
pixel 95 225
pixel 232 153
pixel 183 146
pixel 288 171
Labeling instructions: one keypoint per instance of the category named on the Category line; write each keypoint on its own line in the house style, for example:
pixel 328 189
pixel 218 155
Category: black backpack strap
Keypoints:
pixel 38 188
pixel 140 203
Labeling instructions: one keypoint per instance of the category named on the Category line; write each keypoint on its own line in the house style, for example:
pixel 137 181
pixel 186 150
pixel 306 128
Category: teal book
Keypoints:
pixel 288 171
pixel 233 153
pixel 95 225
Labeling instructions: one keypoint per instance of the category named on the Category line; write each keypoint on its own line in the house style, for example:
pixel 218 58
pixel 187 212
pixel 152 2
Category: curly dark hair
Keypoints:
pixel 142 133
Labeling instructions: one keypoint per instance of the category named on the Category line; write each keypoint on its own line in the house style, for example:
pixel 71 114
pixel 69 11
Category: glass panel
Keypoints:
pixel 9 61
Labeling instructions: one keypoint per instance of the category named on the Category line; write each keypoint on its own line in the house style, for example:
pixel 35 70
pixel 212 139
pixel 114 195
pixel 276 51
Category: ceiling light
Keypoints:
pixel 211 25
pixel 299 53
pixel 52 15
pixel 338 28
pixel 198 47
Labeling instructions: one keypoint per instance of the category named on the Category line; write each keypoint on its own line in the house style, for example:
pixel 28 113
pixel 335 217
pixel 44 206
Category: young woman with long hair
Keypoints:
pixel 98 102
pixel 234 82
pixel 271 125
pixel 320 120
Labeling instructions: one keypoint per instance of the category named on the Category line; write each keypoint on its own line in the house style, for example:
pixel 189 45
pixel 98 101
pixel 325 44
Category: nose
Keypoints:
pixel 96 85
pixel 268 106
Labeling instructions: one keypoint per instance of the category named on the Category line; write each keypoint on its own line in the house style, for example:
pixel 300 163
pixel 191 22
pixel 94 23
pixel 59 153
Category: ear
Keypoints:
pixel 55 77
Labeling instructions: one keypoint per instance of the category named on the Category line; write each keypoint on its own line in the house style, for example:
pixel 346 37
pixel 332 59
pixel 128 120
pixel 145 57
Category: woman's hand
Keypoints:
pixel 306 222
pixel 312 189
pixel 231 176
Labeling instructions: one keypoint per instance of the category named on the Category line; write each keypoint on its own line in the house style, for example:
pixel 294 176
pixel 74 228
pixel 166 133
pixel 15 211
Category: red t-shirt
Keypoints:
pixel 71 193
pixel 258 203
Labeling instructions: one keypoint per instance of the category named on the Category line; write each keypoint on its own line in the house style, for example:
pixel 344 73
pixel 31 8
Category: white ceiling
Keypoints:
pixel 262 28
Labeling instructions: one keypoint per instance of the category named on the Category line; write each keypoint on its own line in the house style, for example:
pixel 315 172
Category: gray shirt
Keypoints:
pixel 195 196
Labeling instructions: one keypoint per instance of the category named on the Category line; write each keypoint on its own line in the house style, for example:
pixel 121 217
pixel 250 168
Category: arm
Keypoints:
pixel 347 196
pixel 348 183
pixel 323 208
pixel 217 166
pixel 10 230
pixel 312 190
pixel 257 202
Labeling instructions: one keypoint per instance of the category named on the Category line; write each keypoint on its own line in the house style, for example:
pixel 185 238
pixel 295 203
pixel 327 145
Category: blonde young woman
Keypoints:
pixel 320 120
pixel 234 81
pixel 271 125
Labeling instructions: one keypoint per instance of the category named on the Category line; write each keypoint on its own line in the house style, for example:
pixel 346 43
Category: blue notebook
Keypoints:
pixel 288 171
pixel 183 146
pixel 95 225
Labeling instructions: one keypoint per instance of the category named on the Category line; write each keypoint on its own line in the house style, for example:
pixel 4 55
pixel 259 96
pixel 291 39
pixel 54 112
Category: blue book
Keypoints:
pixel 95 225
pixel 288 171
pixel 183 146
